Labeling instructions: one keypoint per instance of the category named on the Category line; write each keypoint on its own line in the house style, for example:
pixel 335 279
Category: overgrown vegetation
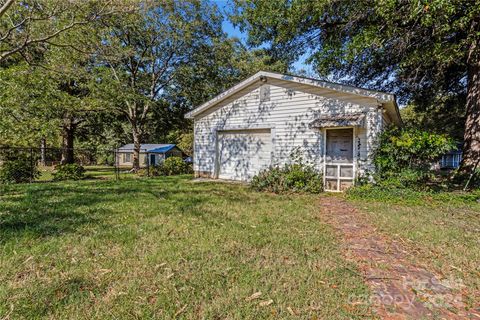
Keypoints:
pixel 295 177
pixel 71 171
pixel 18 169
pixel 172 166
pixel 404 158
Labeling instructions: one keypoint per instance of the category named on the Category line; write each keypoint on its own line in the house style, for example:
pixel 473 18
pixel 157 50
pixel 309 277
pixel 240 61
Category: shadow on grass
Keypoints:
pixel 52 209
pixel 47 210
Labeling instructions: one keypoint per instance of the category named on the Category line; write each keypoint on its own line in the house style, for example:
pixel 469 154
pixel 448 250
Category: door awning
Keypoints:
pixel 339 120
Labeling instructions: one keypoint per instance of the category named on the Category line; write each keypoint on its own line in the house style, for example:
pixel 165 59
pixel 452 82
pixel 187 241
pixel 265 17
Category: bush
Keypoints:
pixel 68 172
pixel 401 149
pixel 172 166
pixel 290 178
pixel 18 170
pixel 404 157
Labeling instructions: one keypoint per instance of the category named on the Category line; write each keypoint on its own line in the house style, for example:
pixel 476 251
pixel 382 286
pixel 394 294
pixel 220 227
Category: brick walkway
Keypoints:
pixel 400 290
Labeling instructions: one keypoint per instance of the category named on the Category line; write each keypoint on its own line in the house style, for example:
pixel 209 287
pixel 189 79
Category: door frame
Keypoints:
pixel 338 164
pixel 154 159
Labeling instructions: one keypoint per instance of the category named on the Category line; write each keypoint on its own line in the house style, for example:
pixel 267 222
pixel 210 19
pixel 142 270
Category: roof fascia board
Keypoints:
pixel 245 83
pixel 380 96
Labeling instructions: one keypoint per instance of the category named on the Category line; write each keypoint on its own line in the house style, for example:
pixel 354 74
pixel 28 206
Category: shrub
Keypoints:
pixel 404 157
pixel 171 166
pixel 68 172
pixel 401 149
pixel 290 178
pixel 18 170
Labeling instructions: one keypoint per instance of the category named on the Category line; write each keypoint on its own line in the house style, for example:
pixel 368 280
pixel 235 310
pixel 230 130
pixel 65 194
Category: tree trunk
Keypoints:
pixel 43 151
pixel 471 147
pixel 136 147
pixel 68 134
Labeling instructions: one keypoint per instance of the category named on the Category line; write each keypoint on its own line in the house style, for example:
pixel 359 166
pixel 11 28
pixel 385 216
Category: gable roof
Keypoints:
pixel 386 99
pixel 148 147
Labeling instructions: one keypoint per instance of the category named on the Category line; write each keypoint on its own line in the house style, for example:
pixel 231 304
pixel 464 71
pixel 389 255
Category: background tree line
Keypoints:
pixel 100 73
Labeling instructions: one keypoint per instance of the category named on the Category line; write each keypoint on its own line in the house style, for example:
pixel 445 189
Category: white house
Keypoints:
pixel 265 119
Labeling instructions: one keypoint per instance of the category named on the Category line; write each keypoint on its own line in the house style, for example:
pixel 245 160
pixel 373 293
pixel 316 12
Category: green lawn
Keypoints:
pixel 441 230
pixel 169 247
pixel 92 172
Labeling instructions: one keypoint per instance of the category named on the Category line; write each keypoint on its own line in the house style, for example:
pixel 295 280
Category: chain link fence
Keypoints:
pixel 123 163
pixel 19 164
pixel 32 164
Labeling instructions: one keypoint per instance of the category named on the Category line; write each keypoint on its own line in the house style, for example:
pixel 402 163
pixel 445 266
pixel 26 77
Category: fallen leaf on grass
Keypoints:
pixel 28 259
pixel 180 311
pixel 253 296
pixel 105 271
pixel 290 310
pixel 265 303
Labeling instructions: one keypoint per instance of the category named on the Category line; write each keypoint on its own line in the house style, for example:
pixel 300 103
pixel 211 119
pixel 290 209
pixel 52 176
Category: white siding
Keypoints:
pixel 288 113
pixel 242 154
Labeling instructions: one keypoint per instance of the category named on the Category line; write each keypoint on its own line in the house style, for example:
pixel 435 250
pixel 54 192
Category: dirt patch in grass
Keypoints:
pixel 401 289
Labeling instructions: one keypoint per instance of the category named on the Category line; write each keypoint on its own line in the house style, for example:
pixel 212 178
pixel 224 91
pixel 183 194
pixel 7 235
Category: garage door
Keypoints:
pixel 242 154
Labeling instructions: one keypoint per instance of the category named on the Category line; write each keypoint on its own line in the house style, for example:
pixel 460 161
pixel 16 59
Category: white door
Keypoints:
pixel 242 154
pixel 339 170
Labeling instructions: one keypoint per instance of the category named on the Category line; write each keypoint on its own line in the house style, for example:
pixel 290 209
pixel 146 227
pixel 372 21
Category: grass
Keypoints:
pixel 169 248
pixel 92 172
pixel 441 230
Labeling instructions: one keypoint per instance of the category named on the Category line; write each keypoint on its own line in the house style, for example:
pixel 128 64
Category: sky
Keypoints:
pixel 233 31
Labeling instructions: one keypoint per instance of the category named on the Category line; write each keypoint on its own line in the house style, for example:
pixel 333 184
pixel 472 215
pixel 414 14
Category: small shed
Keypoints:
pixel 150 154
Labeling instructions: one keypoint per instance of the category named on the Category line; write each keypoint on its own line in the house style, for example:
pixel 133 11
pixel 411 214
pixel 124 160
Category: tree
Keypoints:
pixel 141 52
pixel 426 52
pixel 214 68
pixel 38 104
pixel 29 27
pixel 25 109
pixel 4 7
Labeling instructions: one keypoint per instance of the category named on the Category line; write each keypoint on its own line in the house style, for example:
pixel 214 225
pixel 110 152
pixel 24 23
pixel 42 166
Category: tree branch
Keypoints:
pixel 5 7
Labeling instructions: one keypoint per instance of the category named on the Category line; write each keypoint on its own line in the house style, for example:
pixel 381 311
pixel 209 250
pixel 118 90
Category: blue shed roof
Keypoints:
pixel 163 149
pixel 149 148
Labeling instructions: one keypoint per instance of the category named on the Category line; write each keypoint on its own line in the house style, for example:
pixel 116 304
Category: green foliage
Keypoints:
pixel 71 171
pixel 18 170
pixel 409 149
pixel 404 156
pixel 172 166
pixel 183 140
pixel 426 52
pixel 446 117
pixel 185 143
pixel 370 42
pixel 289 178
pixel 409 196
